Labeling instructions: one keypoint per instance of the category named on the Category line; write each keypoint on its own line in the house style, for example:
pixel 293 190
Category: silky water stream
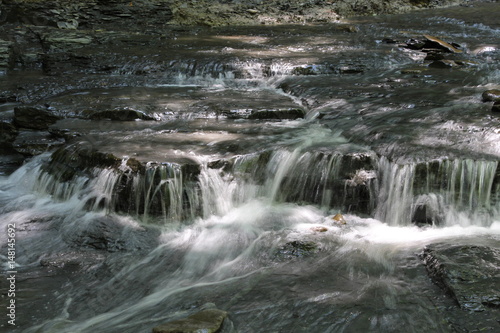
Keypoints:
pixel 242 212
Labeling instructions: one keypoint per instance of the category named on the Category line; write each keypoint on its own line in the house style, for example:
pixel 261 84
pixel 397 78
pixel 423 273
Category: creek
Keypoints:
pixel 252 140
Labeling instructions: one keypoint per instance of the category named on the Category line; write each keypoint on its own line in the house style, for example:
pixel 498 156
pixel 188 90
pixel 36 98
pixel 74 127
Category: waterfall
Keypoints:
pixel 446 192
pixel 439 192
pixel 162 190
pixel 395 193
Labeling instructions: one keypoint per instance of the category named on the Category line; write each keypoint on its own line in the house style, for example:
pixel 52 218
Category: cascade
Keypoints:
pixel 446 192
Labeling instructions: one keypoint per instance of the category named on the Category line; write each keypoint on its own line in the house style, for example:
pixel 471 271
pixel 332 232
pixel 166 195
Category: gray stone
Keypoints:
pixel 8 132
pixel 34 117
pixel 468 273
pixel 31 143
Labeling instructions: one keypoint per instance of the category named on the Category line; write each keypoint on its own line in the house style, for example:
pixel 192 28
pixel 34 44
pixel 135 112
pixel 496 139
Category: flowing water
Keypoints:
pixel 408 154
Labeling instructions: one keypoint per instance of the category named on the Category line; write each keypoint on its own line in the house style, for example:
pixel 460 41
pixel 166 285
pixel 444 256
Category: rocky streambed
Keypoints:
pixel 340 174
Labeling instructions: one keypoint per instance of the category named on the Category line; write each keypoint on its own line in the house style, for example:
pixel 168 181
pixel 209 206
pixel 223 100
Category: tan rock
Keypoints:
pixel 207 321
pixel 443 44
pixel 319 229
pixel 339 218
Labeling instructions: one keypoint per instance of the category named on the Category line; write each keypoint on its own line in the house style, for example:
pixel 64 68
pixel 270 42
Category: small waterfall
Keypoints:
pixel 447 192
pixel 441 192
pixel 285 175
pixel 161 191
pixel 395 193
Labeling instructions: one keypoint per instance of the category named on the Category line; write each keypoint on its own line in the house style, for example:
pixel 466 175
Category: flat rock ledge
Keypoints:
pixel 468 273
pixel 206 321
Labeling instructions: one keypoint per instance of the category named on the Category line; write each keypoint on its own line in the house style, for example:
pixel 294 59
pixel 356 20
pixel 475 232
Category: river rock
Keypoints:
pixel 5 54
pixel 8 132
pixel 444 64
pixel 34 117
pixel 280 114
pixel 319 229
pixel 339 218
pixel 125 114
pixel 496 107
pixel 206 321
pixel 297 249
pixel 492 95
pixel 438 43
pixel 468 273
pixel 32 143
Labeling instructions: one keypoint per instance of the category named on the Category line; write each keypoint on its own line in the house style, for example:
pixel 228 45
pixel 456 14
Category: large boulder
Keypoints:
pixel 468 273
pixel 34 117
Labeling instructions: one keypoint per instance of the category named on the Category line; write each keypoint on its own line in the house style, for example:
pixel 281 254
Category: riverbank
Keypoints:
pixel 91 13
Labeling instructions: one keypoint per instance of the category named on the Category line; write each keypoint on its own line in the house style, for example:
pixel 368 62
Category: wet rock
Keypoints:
pixel 63 133
pixel 414 71
pixel 496 107
pixel 468 273
pixel 433 56
pixel 414 44
pixel 421 216
pixel 31 143
pixel 444 64
pixel 62 40
pixel 34 117
pixel 209 321
pixel 297 249
pixel 436 42
pixel 10 160
pixel 306 70
pixel 492 95
pixel 278 114
pixel 339 218
pixel 75 159
pixel 106 233
pixel 125 114
pixel 5 55
pixel 347 28
pixel 319 229
pixel 8 132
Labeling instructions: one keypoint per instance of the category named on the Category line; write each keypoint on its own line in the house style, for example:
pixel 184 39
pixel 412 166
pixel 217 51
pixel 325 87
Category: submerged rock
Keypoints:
pixel 297 249
pixel 468 273
pixel 206 321
pixel 492 95
pixel 32 143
